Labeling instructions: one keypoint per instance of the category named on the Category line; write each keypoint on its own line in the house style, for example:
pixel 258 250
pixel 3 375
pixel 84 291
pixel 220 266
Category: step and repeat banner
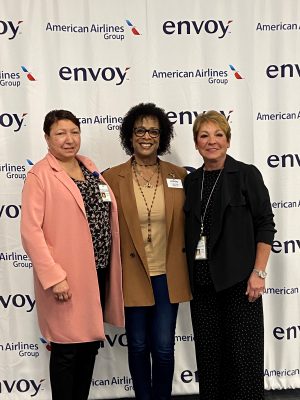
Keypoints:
pixel 98 59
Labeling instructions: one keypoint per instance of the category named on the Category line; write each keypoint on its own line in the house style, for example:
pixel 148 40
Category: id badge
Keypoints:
pixel 104 192
pixel 201 253
pixel 174 183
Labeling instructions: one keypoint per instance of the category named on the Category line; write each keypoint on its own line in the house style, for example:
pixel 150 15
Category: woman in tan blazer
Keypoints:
pixel 150 198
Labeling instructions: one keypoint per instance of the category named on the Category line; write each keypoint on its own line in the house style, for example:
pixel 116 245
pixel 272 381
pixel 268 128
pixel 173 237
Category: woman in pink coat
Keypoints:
pixel 69 229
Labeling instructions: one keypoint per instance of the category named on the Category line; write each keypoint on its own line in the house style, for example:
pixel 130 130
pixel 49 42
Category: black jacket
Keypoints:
pixel 241 217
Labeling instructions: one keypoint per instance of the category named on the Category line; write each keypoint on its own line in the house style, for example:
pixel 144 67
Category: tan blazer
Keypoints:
pixel 137 286
pixel 57 238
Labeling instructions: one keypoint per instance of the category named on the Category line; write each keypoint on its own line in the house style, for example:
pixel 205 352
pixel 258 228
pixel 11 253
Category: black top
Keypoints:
pixel 201 271
pixel 98 216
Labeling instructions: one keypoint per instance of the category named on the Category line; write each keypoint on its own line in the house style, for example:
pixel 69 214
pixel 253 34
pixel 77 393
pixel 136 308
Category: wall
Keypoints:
pixel 98 59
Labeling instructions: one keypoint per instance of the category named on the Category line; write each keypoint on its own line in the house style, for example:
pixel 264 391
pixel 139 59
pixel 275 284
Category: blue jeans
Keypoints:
pixel 151 334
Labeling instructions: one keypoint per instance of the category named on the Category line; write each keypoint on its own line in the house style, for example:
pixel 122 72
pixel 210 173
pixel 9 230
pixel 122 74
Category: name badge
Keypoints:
pixel 201 253
pixel 104 192
pixel 174 183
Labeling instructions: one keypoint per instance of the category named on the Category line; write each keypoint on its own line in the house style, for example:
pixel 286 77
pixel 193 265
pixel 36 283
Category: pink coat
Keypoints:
pixel 56 236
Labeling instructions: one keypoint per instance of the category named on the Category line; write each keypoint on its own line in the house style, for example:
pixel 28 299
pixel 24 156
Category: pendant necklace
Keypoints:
pixel 147 184
pixel 149 209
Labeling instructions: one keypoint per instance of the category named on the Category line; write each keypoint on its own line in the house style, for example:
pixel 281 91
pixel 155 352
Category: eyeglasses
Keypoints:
pixel 140 132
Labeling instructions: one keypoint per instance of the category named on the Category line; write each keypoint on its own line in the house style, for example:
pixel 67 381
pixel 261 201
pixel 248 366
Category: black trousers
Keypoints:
pixel 229 342
pixel 71 369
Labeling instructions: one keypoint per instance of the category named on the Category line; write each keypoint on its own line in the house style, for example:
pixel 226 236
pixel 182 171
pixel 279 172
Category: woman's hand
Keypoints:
pixel 255 287
pixel 61 291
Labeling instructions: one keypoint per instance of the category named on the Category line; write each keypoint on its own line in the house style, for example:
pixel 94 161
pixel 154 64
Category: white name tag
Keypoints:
pixel 201 253
pixel 104 192
pixel 174 183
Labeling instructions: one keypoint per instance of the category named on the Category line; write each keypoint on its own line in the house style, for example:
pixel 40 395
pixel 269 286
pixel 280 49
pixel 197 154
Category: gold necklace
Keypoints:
pixel 147 184
pixel 149 209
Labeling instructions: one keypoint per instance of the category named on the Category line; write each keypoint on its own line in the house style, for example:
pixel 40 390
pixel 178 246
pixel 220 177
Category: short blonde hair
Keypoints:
pixel 212 116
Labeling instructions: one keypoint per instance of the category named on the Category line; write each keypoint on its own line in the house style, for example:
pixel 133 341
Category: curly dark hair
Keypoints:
pixel 57 115
pixel 141 111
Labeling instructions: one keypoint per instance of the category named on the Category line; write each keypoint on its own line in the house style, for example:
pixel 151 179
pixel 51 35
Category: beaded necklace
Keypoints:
pixel 147 184
pixel 149 209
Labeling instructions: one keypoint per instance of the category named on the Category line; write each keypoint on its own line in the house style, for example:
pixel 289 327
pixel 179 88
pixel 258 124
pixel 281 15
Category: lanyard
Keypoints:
pixel 209 197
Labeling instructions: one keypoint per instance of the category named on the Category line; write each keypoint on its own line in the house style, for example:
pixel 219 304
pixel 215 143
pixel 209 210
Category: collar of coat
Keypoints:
pixel 130 212
pixel 230 165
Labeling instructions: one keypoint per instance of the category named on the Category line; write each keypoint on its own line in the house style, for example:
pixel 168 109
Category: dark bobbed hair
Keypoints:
pixel 57 115
pixel 144 110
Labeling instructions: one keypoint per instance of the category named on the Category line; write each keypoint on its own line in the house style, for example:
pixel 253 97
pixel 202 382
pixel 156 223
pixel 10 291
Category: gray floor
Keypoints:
pixel 283 394
pixel 269 395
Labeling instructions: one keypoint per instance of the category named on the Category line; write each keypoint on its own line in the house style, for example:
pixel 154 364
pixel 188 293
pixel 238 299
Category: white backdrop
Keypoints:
pixel 99 58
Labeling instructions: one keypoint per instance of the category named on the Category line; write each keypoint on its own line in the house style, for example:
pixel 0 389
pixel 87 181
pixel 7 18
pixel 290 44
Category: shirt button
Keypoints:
pixel 132 255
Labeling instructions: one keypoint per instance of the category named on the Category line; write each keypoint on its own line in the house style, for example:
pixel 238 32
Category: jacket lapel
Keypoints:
pixel 223 199
pixel 130 211
pixel 196 190
pixel 63 177
pixel 167 172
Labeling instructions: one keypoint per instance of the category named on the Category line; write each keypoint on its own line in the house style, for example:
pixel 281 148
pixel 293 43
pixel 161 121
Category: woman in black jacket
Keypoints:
pixel 229 232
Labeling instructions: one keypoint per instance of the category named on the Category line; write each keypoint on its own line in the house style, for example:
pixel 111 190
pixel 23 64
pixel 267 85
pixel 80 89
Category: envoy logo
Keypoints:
pixel 108 32
pixel 22 349
pixel 189 376
pixel 210 27
pixel 10 211
pixel 283 160
pixel 111 122
pixel 283 71
pixel 289 333
pixel 17 260
pixel 286 246
pixel 13 120
pixel 28 386
pixel 18 300
pixel 82 74
pixel 187 117
pixel 9 29
pixel 120 340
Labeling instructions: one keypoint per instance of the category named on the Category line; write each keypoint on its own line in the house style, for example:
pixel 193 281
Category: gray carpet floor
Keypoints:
pixel 269 395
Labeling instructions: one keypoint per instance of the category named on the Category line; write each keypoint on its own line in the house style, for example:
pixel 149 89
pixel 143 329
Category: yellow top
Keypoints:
pixel 156 249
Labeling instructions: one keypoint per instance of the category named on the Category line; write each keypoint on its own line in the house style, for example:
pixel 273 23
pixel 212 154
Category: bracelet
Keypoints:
pixel 260 273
